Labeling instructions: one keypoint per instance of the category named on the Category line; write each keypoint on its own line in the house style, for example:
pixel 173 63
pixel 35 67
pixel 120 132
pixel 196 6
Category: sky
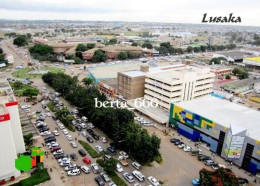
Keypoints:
pixel 171 11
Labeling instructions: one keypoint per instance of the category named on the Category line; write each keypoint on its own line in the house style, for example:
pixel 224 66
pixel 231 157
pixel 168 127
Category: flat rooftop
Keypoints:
pixel 108 71
pixel 226 114
pixel 255 59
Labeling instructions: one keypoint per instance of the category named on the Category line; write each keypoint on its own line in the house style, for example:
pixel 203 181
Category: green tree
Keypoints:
pixel 122 55
pixel 81 48
pixel 109 166
pixel 29 35
pixel 237 71
pixel 134 44
pixel 87 81
pixel 189 49
pixel 228 76
pixel 41 49
pixel 99 56
pixel 112 41
pixel 20 41
pixel 196 49
pixel 147 45
pixel 17 84
pixel 30 92
pixel 203 48
pixel 28 140
pixel 163 50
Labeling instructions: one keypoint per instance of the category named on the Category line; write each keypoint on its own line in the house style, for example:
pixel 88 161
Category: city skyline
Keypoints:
pixel 165 12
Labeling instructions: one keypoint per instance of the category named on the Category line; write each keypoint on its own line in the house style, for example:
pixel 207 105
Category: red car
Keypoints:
pixel 87 161
pixel 55 149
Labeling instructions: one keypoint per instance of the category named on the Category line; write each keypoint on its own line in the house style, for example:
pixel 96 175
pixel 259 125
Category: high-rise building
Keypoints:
pixel 181 84
pixel 11 137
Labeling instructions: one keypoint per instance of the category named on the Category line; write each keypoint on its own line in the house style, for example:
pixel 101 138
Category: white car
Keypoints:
pixel 27 110
pixel 61 126
pixel 65 131
pixel 56 133
pixel 69 137
pixel 187 148
pixel 74 144
pixel 136 165
pixel 153 181
pixel 85 169
pixel 58 152
pixel 48 114
pixel 119 168
pixel 45 133
pixel 74 122
pixel 84 118
pixel 63 159
pixel 74 172
pixel 75 111
pixel 84 133
pixel 128 177
pixel 138 175
pixel 104 140
pixel 99 148
pixel 124 154
pixel 56 144
pixel 181 146
pixel 91 126
pixel 112 184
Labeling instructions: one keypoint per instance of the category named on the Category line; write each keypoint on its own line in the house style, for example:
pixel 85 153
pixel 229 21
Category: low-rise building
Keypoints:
pixel 220 70
pixel 228 129
pixel 253 62
pixel 233 56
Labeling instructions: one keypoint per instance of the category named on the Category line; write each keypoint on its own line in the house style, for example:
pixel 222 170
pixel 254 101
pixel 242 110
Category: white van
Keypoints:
pixel 84 118
pixel 83 125
pixel 138 175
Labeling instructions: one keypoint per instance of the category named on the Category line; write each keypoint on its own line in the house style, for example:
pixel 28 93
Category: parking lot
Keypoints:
pixel 178 167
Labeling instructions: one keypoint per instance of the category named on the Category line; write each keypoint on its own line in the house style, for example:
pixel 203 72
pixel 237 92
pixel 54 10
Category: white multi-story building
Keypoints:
pixel 177 85
pixel 11 137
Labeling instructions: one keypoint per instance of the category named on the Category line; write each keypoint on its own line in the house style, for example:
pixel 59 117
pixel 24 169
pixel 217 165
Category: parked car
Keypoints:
pixel 153 181
pixel 187 148
pixel 74 144
pixel 119 168
pixel 78 128
pixel 82 152
pixel 69 137
pixel 65 131
pixel 138 175
pixel 209 162
pixel 85 169
pixel 95 168
pixel 128 177
pixel 45 133
pixel 124 154
pixel 87 161
pixel 90 140
pixel 56 133
pixel 104 140
pixel 99 181
pixel 58 152
pixel 173 140
pixel 90 131
pixel 111 150
pixel 204 158
pixel 96 137
pixel 74 172
pixel 136 165
pixel 71 167
pixel 55 149
pixel 73 156
pixel 181 146
pixel 215 166
pixel 98 148
pixel 105 176
pixel 112 184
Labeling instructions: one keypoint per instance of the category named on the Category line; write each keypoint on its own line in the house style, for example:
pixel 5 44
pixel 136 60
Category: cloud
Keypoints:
pixel 186 11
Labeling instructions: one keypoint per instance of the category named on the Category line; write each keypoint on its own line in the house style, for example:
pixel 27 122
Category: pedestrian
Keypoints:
pixel 255 181
pixel 42 144
pixel 76 138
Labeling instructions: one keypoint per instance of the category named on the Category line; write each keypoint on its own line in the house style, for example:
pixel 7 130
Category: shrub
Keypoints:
pixel 36 178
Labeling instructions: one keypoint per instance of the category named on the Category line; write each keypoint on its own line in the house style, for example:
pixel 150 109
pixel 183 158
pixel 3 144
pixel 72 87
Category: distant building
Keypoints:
pixel 108 87
pixel 253 62
pixel 233 56
pixel 240 86
pixel 11 137
pixel 112 51
pixel 40 41
pixel 220 70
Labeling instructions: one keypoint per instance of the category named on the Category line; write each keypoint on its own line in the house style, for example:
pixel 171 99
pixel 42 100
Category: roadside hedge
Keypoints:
pixel 89 149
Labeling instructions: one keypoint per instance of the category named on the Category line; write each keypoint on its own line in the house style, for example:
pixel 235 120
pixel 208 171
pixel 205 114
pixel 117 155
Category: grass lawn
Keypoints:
pixel 131 33
pixel 19 91
pixel 89 149
pixel 51 107
pixel 23 73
